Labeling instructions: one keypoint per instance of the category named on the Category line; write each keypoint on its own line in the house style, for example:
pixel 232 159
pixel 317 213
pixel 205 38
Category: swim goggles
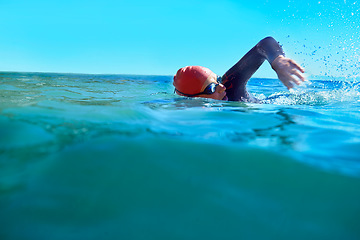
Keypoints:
pixel 210 89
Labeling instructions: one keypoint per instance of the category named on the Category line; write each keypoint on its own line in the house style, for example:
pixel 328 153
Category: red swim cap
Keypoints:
pixel 191 79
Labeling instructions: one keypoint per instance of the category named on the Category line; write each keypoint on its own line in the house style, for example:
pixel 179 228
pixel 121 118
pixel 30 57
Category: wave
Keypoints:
pixel 172 188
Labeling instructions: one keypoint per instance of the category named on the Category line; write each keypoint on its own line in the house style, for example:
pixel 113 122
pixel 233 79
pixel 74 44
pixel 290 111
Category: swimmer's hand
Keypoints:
pixel 288 71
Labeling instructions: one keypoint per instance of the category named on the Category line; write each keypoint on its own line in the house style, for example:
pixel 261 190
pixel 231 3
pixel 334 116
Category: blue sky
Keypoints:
pixel 158 37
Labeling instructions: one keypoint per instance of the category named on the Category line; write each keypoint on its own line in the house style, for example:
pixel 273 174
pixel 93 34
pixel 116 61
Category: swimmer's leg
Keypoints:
pixel 236 78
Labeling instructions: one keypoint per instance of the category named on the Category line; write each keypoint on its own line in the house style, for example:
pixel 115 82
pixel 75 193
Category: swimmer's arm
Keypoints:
pixel 236 78
pixel 270 49
pixel 288 71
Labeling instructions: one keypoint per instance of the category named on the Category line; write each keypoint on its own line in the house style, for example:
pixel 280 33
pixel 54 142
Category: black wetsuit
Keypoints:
pixel 236 78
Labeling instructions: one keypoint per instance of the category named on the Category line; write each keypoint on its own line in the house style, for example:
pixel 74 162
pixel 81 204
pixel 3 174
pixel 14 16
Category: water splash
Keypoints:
pixel 321 93
pixel 328 43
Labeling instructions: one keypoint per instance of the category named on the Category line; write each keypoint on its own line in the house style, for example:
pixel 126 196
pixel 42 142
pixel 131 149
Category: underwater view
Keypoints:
pixel 86 156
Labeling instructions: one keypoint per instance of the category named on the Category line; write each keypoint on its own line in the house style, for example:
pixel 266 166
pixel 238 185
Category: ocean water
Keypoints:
pixel 123 157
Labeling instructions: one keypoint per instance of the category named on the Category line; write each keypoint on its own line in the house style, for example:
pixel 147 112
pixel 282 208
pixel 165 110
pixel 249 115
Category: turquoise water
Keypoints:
pixel 122 157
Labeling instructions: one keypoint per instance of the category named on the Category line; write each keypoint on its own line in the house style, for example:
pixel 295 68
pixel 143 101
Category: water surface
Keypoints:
pixel 123 157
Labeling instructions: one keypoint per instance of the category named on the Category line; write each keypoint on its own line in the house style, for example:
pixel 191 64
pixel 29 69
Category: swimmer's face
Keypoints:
pixel 219 93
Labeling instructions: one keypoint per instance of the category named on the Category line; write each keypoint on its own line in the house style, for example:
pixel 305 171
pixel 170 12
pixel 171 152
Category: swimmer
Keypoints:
pixel 197 81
